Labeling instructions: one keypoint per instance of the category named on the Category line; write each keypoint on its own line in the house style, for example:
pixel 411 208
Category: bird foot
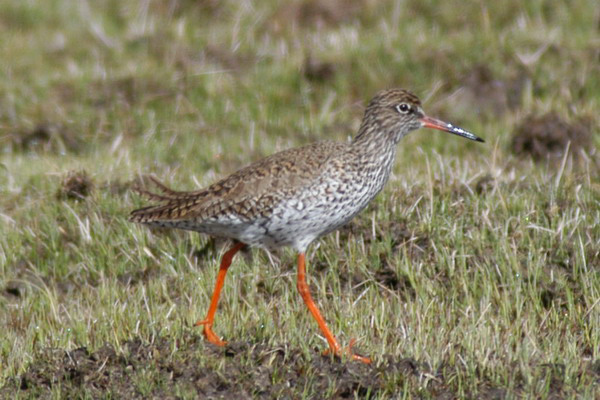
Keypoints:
pixel 348 350
pixel 209 334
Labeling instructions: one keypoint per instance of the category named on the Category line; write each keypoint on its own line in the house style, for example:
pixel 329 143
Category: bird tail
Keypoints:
pixel 170 208
pixel 166 192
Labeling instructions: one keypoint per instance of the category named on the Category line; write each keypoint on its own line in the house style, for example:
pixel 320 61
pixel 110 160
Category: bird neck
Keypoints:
pixel 374 152
pixel 374 149
pixel 375 138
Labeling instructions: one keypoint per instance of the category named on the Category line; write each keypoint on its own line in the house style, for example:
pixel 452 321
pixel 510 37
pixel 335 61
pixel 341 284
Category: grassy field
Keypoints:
pixel 475 274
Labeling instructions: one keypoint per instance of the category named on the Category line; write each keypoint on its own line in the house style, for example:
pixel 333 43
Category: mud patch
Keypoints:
pixel 165 367
pixel 191 368
pixel 547 136
pixel 76 185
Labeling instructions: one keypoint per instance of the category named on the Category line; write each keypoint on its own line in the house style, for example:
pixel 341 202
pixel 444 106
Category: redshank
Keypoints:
pixel 296 196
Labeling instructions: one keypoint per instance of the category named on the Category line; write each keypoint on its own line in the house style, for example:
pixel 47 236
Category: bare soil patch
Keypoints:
pixel 188 366
pixel 547 136
pixel 76 185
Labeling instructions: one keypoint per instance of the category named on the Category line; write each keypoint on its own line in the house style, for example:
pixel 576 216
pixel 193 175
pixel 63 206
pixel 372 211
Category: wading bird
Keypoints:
pixel 296 196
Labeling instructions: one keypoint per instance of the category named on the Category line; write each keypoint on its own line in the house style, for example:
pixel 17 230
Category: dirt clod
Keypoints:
pixel 14 289
pixel 485 184
pixel 76 185
pixel 547 136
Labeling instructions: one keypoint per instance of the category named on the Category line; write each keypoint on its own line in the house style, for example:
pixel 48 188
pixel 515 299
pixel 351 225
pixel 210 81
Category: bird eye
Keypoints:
pixel 403 108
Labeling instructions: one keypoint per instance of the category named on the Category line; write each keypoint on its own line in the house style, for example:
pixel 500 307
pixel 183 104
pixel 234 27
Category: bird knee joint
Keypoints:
pixel 303 289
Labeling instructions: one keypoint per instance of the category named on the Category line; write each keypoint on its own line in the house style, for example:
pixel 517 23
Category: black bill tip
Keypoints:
pixel 433 123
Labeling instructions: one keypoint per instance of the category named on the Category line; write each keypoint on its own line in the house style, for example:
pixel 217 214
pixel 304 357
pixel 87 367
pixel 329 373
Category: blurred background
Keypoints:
pixel 95 76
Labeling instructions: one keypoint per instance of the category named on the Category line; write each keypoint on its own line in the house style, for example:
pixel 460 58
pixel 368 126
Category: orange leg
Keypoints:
pixel 210 317
pixel 312 307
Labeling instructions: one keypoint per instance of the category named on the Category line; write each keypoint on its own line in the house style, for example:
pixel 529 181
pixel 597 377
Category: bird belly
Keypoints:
pixel 298 222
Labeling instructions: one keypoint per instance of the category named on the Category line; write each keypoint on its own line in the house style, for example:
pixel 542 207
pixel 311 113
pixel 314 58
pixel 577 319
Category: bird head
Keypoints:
pixel 398 112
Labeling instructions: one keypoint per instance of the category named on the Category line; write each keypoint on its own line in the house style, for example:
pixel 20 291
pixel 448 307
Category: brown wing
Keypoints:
pixel 248 193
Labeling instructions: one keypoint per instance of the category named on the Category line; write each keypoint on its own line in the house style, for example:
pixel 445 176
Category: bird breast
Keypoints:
pixel 333 199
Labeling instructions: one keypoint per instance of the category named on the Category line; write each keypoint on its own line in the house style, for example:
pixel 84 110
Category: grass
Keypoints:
pixel 479 266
